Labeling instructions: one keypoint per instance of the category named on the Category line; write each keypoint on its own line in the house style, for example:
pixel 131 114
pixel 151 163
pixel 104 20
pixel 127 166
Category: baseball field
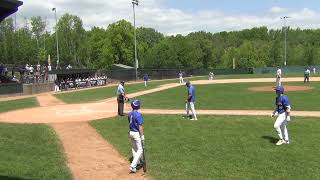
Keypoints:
pixel 76 135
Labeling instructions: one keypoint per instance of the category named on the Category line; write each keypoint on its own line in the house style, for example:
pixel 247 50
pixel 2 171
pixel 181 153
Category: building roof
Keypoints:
pixel 8 7
pixel 122 66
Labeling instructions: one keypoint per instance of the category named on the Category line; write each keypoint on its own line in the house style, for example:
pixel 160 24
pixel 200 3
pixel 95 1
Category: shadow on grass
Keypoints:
pixel 12 178
pixel 271 139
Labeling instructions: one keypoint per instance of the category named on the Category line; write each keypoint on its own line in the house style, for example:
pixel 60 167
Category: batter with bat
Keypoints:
pixel 136 135
pixel 282 109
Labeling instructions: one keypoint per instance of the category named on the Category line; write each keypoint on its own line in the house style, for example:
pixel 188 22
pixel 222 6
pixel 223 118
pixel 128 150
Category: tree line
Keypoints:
pixel 99 48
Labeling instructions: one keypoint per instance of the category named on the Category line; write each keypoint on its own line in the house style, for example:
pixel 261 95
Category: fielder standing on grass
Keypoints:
pixel 190 101
pixel 121 97
pixel 136 134
pixel 278 76
pixel 211 75
pixel 145 79
pixel 282 109
pixel 306 75
pixel 181 77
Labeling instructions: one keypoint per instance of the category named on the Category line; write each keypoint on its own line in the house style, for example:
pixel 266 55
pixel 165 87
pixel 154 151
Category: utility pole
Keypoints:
pixel 57 41
pixel 285 38
pixel 135 3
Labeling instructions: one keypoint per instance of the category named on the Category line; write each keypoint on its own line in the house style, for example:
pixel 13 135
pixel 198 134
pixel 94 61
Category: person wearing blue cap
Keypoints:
pixel 136 134
pixel 282 109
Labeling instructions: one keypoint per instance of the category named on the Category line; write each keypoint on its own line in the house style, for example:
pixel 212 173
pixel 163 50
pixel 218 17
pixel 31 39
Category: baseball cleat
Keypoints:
pixel 133 170
pixel 280 142
pixel 193 119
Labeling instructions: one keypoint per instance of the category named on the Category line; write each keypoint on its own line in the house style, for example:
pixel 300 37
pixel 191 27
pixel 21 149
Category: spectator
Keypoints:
pixel 5 71
pixel 49 67
pixel 69 66
pixel 56 85
pixel 1 69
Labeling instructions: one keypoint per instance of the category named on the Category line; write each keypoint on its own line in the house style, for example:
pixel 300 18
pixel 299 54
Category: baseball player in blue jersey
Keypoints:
pixel 282 109
pixel 136 134
pixel 145 79
pixel 190 101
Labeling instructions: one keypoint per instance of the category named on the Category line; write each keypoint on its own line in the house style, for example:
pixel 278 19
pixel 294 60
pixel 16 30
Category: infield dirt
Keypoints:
pixel 88 155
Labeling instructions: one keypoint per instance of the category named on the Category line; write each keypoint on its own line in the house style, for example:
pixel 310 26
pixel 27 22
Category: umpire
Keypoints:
pixel 121 97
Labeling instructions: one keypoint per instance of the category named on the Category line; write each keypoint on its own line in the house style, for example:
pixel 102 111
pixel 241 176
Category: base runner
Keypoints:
pixel 282 109
pixel 190 101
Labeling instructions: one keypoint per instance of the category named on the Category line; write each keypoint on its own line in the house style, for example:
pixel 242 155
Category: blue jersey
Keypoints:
pixel 135 119
pixel 192 92
pixel 282 102
pixel 145 77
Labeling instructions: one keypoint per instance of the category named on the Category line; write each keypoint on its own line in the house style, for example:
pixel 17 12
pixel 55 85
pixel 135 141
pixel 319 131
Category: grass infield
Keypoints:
pixel 232 96
pixel 31 152
pixel 221 147
pixel 18 104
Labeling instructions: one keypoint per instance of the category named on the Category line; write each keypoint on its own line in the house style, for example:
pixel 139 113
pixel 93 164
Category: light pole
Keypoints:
pixel 135 3
pixel 285 38
pixel 55 15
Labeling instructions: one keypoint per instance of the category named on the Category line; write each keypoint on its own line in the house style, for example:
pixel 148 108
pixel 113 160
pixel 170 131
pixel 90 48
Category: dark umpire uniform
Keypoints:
pixel 121 96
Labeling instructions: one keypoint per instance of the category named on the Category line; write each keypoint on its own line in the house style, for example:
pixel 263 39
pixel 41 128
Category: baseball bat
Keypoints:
pixel 144 159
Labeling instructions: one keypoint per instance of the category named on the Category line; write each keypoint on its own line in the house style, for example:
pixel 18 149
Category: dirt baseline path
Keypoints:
pixel 89 156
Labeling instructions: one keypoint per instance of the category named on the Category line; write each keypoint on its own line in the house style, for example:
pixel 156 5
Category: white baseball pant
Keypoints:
pixel 181 80
pixel 278 81
pixel 145 83
pixel 281 126
pixel 136 148
pixel 190 106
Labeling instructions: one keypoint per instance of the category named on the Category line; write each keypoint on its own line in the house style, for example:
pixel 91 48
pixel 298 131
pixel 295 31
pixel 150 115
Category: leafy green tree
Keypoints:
pixel 72 37
pixel 121 42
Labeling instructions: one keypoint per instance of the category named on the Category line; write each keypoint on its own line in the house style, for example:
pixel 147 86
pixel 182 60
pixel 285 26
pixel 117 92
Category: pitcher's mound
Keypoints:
pixel 286 88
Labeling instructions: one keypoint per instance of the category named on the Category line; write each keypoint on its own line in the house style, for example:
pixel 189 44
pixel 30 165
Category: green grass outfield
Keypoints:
pixel 18 104
pixel 248 76
pixel 31 152
pixel 96 94
pixel 221 147
pixel 231 96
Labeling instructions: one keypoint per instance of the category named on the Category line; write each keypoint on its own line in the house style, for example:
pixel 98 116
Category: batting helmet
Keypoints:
pixel 279 90
pixel 135 104
pixel 188 84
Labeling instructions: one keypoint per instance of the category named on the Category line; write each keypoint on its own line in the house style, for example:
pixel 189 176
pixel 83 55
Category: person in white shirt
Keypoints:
pixel 314 70
pixel 211 75
pixel 181 77
pixel 306 75
pixel 278 76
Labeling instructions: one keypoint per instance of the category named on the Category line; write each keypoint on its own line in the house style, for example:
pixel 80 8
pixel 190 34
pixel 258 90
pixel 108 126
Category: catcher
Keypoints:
pixel 121 98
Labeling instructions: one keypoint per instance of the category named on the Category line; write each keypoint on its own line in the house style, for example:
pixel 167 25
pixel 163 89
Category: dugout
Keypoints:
pixel 62 74
pixel 8 7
